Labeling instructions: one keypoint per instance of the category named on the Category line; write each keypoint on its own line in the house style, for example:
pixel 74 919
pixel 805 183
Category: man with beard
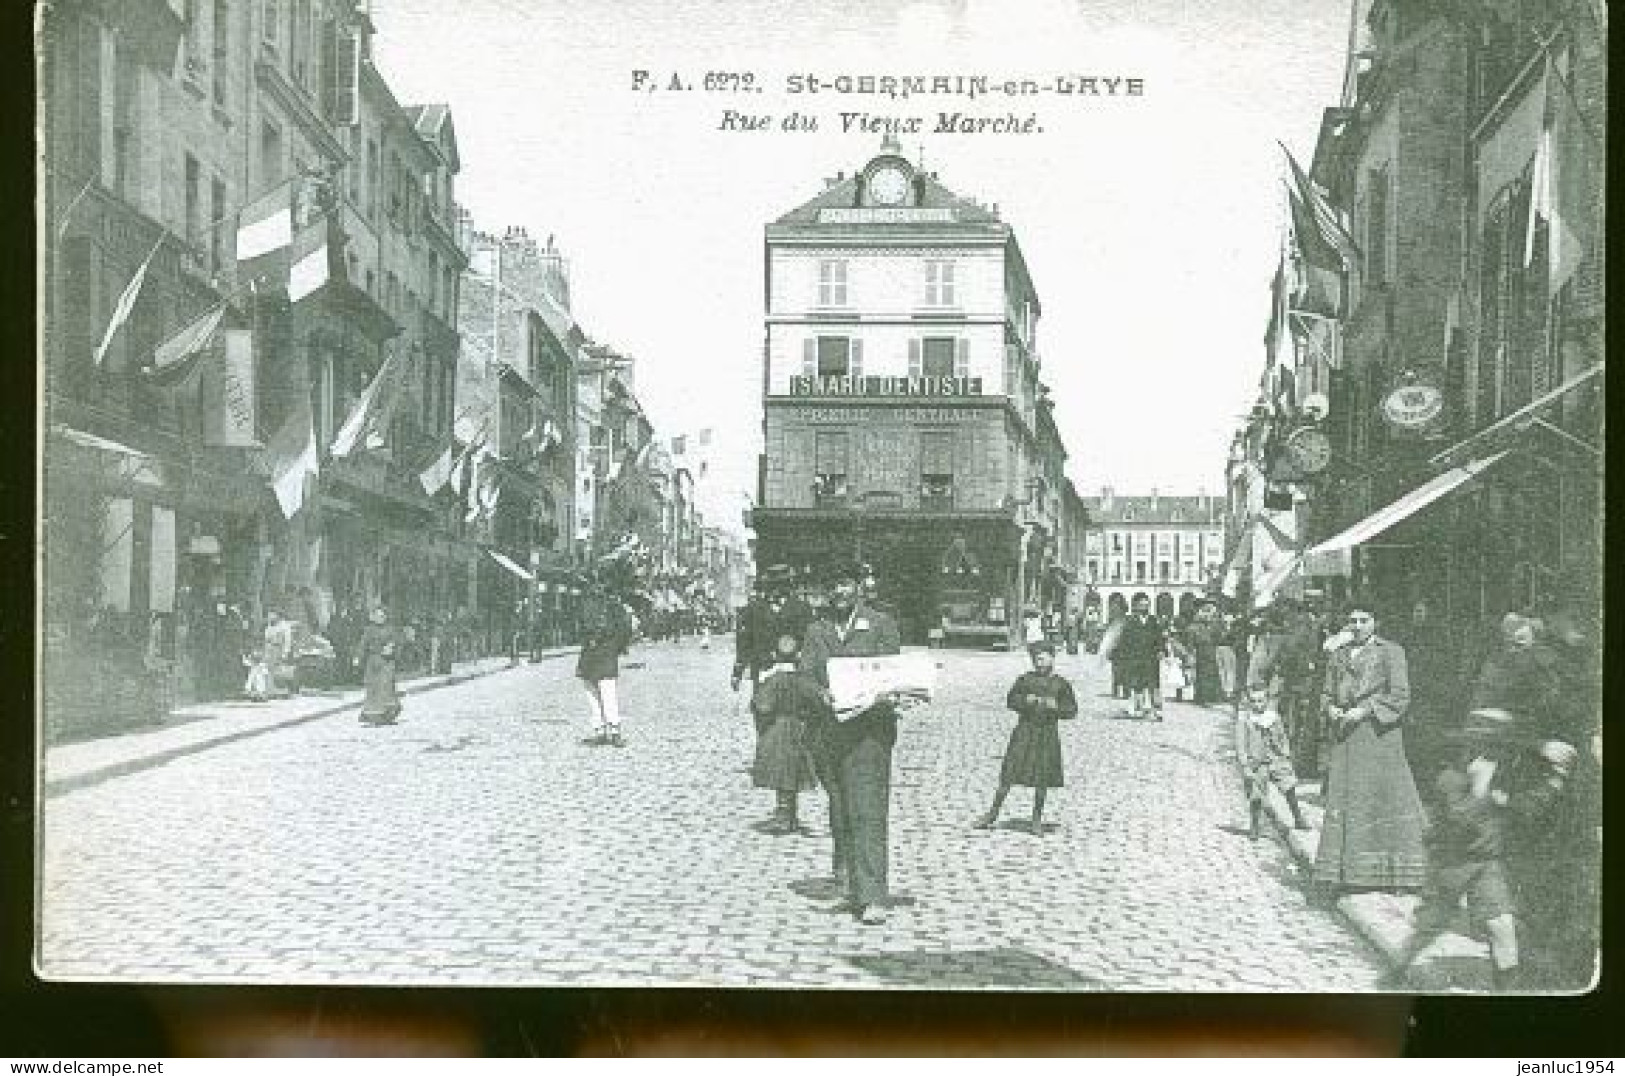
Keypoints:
pixel 853 757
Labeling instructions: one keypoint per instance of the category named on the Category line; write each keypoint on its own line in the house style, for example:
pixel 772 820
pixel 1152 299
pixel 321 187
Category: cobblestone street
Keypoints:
pixel 481 842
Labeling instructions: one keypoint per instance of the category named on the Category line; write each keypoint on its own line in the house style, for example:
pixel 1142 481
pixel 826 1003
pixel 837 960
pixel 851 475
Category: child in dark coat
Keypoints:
pixel 1466 860
pixel 1033 758
pixel 782 706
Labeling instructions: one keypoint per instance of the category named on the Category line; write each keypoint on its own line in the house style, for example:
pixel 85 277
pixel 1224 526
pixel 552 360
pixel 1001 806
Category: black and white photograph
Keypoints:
pixel 1054 496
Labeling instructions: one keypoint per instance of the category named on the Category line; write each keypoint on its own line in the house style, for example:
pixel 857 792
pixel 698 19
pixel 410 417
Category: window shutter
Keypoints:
pixel 809 357
pixel 855 358
pixel 962 358
pixel 946 290
pixel 915 360
pixel 347 79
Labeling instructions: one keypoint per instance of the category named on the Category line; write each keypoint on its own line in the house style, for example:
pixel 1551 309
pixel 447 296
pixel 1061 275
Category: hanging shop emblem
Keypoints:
pixel 1411 407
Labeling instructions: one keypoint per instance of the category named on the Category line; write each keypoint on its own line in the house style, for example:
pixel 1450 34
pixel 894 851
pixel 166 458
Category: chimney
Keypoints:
pixel 1153 498
pixel 1106 498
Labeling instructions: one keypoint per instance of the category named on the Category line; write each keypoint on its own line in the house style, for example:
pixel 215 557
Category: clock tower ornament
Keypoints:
pixel 888 180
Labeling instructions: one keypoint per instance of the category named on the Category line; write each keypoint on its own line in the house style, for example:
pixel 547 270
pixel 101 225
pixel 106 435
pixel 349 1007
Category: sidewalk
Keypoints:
pixel 1453 962
pixel 197 728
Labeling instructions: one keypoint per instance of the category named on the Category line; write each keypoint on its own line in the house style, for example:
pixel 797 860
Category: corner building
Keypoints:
pixel 905 421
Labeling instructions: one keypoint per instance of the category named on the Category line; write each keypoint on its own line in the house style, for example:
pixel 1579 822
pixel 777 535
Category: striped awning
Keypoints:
pixel 1408 505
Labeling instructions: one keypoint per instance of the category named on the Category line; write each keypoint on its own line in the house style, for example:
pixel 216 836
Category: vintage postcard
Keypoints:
pixel 473 432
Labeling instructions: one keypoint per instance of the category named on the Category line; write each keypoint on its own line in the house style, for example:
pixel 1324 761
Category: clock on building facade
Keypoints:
pixel 889 182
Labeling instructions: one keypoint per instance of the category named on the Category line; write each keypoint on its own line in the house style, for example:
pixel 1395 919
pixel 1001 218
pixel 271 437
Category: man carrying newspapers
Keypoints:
pixel 854 654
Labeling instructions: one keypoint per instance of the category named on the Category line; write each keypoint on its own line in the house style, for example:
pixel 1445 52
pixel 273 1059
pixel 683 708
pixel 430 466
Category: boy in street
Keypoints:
pixel 1466 860
pixel 1266 758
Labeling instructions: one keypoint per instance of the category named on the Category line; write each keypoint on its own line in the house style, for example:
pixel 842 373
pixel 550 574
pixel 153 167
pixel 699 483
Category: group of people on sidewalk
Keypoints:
pixel 1473 784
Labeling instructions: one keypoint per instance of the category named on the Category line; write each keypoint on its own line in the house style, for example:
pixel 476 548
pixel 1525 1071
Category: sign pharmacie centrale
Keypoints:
pixel 804 385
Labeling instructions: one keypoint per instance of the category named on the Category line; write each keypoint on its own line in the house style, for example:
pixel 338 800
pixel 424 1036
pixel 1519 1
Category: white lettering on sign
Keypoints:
pixel 885 215
pixel 904 414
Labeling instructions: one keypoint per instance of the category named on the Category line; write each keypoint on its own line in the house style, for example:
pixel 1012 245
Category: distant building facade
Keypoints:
pixel 1169 549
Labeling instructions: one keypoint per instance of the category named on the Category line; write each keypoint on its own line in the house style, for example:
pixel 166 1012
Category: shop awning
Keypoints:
pixel 129 464
pixel 522 573
pixel 1408 505
pixel 1526 415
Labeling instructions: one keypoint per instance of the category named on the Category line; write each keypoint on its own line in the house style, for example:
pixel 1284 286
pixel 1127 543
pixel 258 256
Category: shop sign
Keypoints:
pixel 228 393
pixel 1411 407
pixel 802 385
pixel 906 414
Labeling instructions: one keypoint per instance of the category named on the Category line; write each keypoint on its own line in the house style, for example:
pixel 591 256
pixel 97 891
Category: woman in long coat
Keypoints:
pixel 1372 834
pixel 382 702
pixel 1204 635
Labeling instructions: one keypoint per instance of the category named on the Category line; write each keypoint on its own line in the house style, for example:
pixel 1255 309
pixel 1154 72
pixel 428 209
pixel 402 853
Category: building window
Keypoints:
pixel 1139 571
pixel 939 283
pixel 271 22
pixel 372 178
pixel 831 466
pixel 938 356
pixel 121 161
pixel 194 205
pixel 222 49
pixel 1117 543
pixel 832 283
pixel 217 225
pixel 270 156
pixel 937 470
pixel 301 44
pixel 1117 571
pixel 1094 570
pixel 833 356
pixel 1165 571
pixel 1190 571
pixel 1376 227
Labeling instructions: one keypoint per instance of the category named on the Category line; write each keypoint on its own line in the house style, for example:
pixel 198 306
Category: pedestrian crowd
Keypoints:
pixel 1467 771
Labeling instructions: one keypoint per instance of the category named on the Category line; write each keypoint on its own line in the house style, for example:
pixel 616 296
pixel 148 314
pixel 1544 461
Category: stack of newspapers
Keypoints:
pixel 856 683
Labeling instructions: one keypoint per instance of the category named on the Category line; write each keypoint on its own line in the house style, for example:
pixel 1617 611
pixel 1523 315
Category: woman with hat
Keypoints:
pixel 382 703
pixel 854 756
pixel 1371 837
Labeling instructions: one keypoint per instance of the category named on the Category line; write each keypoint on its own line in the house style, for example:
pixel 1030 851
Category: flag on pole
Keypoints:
pixel 482 489
pixel 1320 230
pixel 265 226
pixel 437 474
pixel 292 456
pixel 309 267
pixel 177 360
pixel 125 304
pixel 460 471
pixel 636 460
pixel 371 414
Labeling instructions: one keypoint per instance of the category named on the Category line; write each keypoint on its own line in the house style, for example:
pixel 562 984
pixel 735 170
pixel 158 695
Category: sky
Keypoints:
pixel 1151 225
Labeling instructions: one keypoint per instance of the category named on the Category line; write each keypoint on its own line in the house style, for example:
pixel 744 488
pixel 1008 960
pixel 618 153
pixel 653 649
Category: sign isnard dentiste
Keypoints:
pixel 802 385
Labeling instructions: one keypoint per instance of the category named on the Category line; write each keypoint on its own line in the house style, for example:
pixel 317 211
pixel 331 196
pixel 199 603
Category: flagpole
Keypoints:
pixel 73 203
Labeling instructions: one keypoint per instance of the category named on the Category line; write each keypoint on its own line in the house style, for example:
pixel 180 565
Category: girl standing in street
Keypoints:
pixel 783 705
pixel 1033 757
pixel 382 703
